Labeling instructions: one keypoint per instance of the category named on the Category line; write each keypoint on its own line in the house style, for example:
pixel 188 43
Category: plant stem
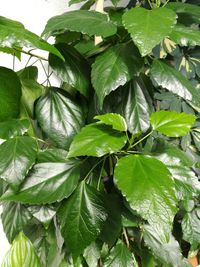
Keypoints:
pixel 142 139
pixel 166 3
pixel 126 237
pixel 31 54
pixel 100 175
pixel 91 170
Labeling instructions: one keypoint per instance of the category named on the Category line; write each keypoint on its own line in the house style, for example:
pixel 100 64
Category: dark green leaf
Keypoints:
pixel 12 128
pixel 82 218
pixel 60 117
pixel 117 66
pixel 30 72
pixel 145 27
pixel 115 120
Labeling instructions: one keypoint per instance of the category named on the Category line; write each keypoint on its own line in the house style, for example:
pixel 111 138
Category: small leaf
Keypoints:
pixel 172 123
pixel 82 218
pixel 96 140
pixel 115 120
pixel 91 254
pixel 145 27
pixel 92 23
pixel 12 128
pixel 47 183
pixel 43 214
pixel 21 253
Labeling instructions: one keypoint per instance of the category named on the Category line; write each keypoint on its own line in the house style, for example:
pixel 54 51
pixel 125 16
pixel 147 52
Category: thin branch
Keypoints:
pixel 31 54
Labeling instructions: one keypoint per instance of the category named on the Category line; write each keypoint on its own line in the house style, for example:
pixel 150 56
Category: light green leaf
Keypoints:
pixel 91 254
pixel 92 23
pixel 17 155
pixel 75 70
pixel 146 28
pixel 117 66
pixel 169 78
pixel 82 218
pixel 21 253
pixel 43 214
pixel 12 128
pixel 52 155
pixel 147 185
pixel 96 140
pixel 172 123
pixel 47 183
pixel 59 116
pixel 115 120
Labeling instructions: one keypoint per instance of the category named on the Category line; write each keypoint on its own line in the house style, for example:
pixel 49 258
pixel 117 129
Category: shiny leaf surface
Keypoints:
pixel 12 128
pixel 115 120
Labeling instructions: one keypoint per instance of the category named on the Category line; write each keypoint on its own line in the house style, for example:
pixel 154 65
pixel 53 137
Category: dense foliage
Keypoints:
pixel 103 171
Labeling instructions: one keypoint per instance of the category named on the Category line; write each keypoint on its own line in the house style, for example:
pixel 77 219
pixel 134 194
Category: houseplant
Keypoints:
pixel 103 171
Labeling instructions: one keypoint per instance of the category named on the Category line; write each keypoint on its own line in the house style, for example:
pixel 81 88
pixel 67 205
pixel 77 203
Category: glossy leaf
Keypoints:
pixel 43 214
pixel 115 120
pixel 92 23
pixel 59 116
pixel 21 253
pixel 172 123
pixel 12 128
pixel 17 155
pixel 47 183
pixel 52 155
pixel 10 94
pixel 82 218
pixel 75 70
pixel 96 140
pixel 148 187
pixel 145 27
pixel 91 254
pixel 117 66
pixel 172 80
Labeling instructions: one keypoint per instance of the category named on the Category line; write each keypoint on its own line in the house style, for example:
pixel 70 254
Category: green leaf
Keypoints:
pixel 10 94
pixel 169 78
pixel 117 66
pixel 115 120
pixel 43 214
pixel 92 23
pixel 21 253
pixel 172 123
pixel 82 218
pixel 17 155
pixel 91 254
pixel 191 227
pixel 96 140
pixel 59 116
pixel 13 34
pixel 30 73
pixel 72 2
pixel 146 28
pixel 75 70
pixel 14 218
pixel 47 183
pixel 148 187
pixel 12 128
pixel 52 155
pixel 185 36
pixel 119 256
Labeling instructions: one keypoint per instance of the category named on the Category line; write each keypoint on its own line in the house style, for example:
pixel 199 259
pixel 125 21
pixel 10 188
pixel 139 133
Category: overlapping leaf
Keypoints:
pixel 115 120
pixel 12 128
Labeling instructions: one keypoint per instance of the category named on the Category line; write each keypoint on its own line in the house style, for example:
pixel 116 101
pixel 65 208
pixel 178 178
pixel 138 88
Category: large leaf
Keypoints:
pixel 172 80
pixel 47 183
pixel 13 34
pixel 148 187
pixel 119 256
pixel 96 140
pixel 52 155
pixel 115 120
pixel 14 218
pixel 75 70
pixel 12 128
pixel 146 28
pixel 17 155
pixel 21 253
pixel 117 66
pixel 10 94
pixel 172 123
pixel 92 23
pixel 59 116
pixel 82 218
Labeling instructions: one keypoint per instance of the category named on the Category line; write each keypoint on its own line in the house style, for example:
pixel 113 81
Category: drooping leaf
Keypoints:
pixel 13 34
pixel 17 155
pixel 119 256
pixel 96 140
pixel 21 253
pixel 117 66
pixel 14 218
pixel 92 23
pixel 59 116
pixel 145 27
pixel 148 187
pixel 47 183
pixel 10 94
pixel 172 123
pixel 115 120
pixel 82 218
pixel 12 128
pixel 172 80
pixel 75 70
